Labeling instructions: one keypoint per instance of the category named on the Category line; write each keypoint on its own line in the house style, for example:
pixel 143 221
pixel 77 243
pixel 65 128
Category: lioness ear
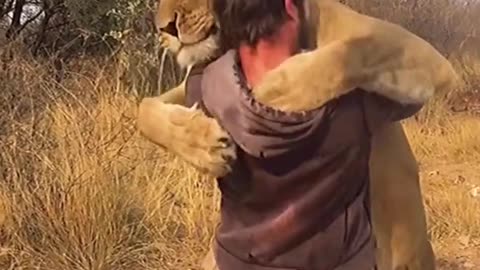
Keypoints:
pixel 292 9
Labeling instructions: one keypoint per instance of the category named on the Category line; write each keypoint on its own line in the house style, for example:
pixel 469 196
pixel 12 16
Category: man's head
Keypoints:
pixel 246 22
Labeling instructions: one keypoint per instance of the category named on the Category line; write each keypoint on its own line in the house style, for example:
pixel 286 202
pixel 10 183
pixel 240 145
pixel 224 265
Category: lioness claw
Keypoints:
pixel 198 139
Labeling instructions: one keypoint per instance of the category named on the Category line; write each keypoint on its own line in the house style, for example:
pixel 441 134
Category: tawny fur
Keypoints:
pixel 189 132
pixel 193 21
pixel 353 51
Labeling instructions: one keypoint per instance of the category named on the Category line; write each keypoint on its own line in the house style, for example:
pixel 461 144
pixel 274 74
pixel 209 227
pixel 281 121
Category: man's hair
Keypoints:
pixel 247 21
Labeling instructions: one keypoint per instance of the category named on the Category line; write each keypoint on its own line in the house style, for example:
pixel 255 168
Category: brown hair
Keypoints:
pixel 246 21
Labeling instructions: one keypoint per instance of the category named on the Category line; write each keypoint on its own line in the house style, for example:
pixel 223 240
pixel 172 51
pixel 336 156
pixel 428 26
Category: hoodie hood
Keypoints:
pixel 259 130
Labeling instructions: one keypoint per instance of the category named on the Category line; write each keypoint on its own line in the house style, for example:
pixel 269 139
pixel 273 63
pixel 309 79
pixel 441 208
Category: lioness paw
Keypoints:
pixel 406 86
pixel 169 42
pixel 188 133
pixel 202 142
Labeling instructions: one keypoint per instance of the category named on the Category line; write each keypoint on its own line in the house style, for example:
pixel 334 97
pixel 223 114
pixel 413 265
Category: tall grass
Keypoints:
pixel 80 189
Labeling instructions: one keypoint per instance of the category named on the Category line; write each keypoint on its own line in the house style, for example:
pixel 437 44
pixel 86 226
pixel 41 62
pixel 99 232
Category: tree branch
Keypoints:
pixel 5 9
pixel 12 31
pixel 30 20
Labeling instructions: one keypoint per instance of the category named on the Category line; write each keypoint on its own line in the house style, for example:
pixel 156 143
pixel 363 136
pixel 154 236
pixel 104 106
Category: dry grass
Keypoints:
pixel 80 189
pixel 449 154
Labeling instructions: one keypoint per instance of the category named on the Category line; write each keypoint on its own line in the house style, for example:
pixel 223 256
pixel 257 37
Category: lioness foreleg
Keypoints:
pixel 186 132
pixel 398 213
pixel 314 78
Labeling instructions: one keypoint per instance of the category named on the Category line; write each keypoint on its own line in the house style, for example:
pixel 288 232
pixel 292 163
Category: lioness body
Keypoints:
pixel 354 51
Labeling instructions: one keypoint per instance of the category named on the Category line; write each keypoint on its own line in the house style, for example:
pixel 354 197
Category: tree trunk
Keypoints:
pixel 43 29
pixel 13 30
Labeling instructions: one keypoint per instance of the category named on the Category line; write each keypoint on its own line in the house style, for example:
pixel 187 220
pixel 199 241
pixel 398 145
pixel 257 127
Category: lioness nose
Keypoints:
pixel 171 29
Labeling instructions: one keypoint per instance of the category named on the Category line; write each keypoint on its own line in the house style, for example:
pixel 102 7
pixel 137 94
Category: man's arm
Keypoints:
pixel 380 110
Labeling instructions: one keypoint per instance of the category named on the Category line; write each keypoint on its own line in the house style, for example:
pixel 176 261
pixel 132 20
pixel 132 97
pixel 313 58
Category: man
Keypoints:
pixel 297 197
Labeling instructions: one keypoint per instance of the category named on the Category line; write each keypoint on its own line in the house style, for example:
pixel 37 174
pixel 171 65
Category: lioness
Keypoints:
pixel 364 52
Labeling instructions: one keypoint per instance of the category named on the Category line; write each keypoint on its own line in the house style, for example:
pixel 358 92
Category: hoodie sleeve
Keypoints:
pixel 380 111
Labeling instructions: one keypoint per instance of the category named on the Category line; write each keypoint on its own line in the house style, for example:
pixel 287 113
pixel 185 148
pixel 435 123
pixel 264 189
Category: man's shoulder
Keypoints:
pixel 222 64
pixel 207 76
pixel 220 75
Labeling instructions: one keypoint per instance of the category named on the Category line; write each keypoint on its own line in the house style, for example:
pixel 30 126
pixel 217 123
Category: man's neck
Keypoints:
pixel 267 54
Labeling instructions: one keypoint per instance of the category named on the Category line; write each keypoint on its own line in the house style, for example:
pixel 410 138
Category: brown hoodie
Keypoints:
pixel 297 197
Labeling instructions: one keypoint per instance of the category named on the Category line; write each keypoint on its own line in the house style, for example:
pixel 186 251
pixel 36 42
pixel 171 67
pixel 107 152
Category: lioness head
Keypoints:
pixel 193 26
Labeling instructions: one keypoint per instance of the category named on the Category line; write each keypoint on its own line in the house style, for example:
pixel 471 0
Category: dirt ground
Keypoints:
pixel 458 252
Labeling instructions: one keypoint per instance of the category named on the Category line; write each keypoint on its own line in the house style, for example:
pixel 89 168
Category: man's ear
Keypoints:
pixel 292 9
